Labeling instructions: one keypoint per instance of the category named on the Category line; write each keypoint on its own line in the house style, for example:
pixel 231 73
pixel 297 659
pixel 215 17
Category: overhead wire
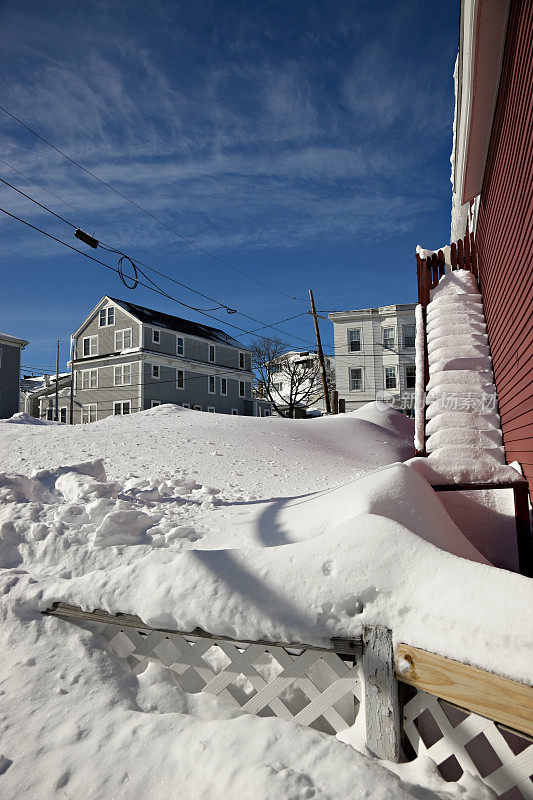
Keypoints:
pixel 144 210
pixel 153 288
pixel 135 282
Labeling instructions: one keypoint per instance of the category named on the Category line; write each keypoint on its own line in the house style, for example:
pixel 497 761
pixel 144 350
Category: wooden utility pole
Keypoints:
pixel 56 414
pixel 320 354
pixel 71 383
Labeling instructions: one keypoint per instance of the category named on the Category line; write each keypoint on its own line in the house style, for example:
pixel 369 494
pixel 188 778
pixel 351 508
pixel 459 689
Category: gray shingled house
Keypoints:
pixel 128 358
pixel 10 348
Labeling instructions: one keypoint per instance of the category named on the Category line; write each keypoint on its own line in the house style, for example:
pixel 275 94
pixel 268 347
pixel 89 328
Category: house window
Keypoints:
pixel 390 377
pixel 50 414
pixel 107 317
pixel 180 379
pixel 197 408
pixel 122 375
pixel 89 379
pixel 155 403
pixel 186 405
pixel 210 409
pixel 88 413
pixel 235 412
pixel 122 407
pixel 63 414
pixel 123 339
pixel 90 346
pixel 180 346
pixel 275 368
pixel 241 361
pixel 354 340
pixel 356 379
pixel 278 386
pixel 156 336
pixel 410 376
pixel 212 353
pixel 242 389
pixel 388 338
pixel 155 371
pixel 224 386
pixel 409 334
pixel 266 412
pixel 211 384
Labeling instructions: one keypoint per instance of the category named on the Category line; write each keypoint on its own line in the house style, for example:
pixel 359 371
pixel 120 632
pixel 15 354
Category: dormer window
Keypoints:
pixel 241 360
pixel 156 336
pixel 212 353
pixel 180 346
pixel 107 316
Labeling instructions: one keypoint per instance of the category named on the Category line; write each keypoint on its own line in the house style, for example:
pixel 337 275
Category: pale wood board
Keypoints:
pixel 382 709
pixel 487 694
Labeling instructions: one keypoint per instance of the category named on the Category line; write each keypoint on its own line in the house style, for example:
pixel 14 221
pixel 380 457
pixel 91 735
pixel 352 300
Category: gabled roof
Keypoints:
pixel 177 324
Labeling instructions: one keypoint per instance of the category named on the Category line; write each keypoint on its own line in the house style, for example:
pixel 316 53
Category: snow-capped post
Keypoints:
pixel 382 707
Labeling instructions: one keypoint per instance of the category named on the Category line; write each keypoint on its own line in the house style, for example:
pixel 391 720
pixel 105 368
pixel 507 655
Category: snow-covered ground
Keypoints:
pixel 254 528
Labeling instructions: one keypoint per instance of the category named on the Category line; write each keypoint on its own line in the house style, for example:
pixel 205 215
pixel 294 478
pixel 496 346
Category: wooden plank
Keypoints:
pixel 460 254
pixel 382 708
pixel 499 699
pixel 343 646
pixel 453 255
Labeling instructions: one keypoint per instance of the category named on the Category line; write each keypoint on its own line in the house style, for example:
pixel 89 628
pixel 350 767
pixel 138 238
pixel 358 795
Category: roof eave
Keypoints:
pixel 482 43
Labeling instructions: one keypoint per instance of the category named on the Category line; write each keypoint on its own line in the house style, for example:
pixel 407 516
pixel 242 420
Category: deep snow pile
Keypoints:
pixel 463 434
pixel 249 527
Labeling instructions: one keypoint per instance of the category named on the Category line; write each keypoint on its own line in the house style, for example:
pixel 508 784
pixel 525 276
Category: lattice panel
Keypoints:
pixel 458 740
pixel 313 687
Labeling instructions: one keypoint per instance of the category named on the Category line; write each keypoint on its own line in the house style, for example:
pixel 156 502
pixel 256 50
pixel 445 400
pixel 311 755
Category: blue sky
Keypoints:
pixel 306 143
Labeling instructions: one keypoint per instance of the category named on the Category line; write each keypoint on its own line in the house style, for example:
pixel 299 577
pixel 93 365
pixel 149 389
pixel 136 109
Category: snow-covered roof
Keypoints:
pixel 6 337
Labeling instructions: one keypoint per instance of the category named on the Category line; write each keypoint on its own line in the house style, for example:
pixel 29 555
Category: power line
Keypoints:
pixel 136 261
pixel 145 211
pixel 153 288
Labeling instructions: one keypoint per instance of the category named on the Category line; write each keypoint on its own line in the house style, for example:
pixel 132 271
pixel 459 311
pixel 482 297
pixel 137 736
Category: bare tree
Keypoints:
pixel 289 381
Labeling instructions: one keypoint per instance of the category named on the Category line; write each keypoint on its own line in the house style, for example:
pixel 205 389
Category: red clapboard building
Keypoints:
pixel 493 197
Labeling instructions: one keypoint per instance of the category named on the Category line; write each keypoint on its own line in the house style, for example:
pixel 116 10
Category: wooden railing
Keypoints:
pixel 463 255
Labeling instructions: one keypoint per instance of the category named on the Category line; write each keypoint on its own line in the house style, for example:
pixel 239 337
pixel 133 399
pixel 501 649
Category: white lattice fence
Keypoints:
pixel 315 687
pixel 459 740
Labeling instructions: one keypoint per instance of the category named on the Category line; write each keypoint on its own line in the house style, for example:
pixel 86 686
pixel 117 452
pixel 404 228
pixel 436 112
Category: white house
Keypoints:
pixel 375 356
pixel 296 381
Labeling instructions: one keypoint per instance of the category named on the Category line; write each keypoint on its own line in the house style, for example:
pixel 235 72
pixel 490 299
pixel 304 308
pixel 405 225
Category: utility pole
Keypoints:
pixel 56 414
pixel 320 353
pixel 71 381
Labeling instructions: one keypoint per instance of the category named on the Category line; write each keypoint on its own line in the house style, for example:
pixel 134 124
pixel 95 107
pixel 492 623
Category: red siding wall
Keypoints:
pixel 504 240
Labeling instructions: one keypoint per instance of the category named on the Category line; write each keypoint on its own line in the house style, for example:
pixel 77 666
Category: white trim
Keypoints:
pixel 105 299
pixel 123 331
pixel 89 339
pixel 120 369
pixel 393 328
pixel 211 410
pixel 155 403
pixel 86 408
pixel 122 403
pixel 385 368
pixel 154 331
pixel 235 412
pixel 106 310
pixel 362 371
pixel 349 341
pixel 87 372
pixel 197 408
